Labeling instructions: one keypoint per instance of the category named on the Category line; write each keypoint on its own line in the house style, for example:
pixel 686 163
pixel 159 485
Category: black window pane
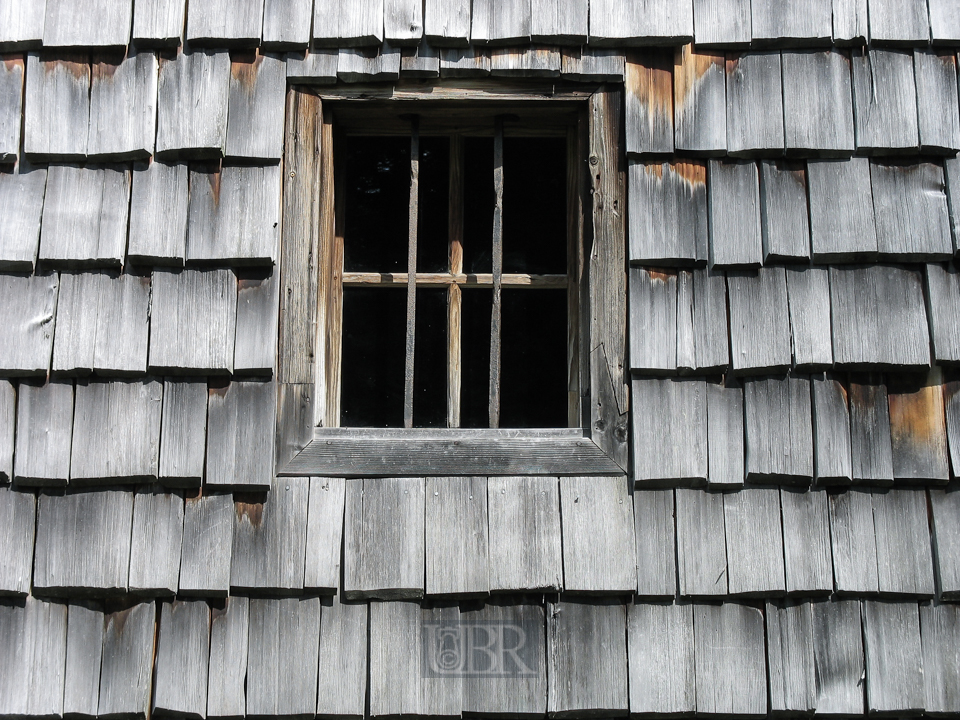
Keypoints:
pixel 475 362
pixel 433 253
pixel 372 359
pixel 430 360
pixel 377 185
pixel 533 374
pixel 478 203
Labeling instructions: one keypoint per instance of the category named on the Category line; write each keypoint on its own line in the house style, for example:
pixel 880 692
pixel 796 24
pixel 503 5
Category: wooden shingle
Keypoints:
pixel 754 104
pixel 270 540
pixel 21 204
pixel 347 24
pixel 854 542
pixel 21 24
pixel 8 423
pixel 81 687
pixel 286 24
pixel 661 22
pixel 192 97
pixel 686 334
pixel 56 105
pixel 894 659
pixel 943 290
pixel 402 21
pixel 158 23
pixel 668 212
pixel 592 64
pixel 722 22
pixel 258 310
pixel 237 23
pixel 725 435
pixel 807 559
pixel 831 426
pixel 282 656
pixel 18 520
pixel 850 24
pixel 653 319
pixel 735 228
pixel 456 543
pixel 842 226
pixel 598 535
pixel 940 637
pixel 885 101
pixel 784 215
pixel 790 657
pixel 701 558
pixel 699 101
pixel 255 112
pixel 229 635
pixel 533 61
pixel 206 550
pixel 656 543
pixel 730 659
pixel 778 24
pixel 910 208
pixel 711 340
pixel 669 422
pixel 26 335
pixel 779 430
pixel 183 653
pixel 158 214
pixel 904 556
pixel 808 291
pixel 945 507
pixel 586 658
pixel 123 105
pixel 446 23
pixel 155 543
pixel 78 305
pixel 45 422
pixel 94 24
pixel 500 23
pixel 838 657
pixel 383 549
pixel 752 524
pixel 899 23
pixel 937 100
pixel 951 400
pixel 648 88
pixel 467 62
pixel 918 430
pixel 193 322
pixel 524 523
pixel 122 326
pixel 422 61
pixel 183 433
pixel 661 662
pixel 85 213
pixel 759 320
pixel 870 446
pixel 324 534
pixel 33 636
pixel 818 101
pixel 318 66
pixel 91 556
pixel 558 21
pixel 341 687
pixel 396 685
pixel 241 422
pixel 11 89
pixel 116 434
pixel 944 21
pixel 125 666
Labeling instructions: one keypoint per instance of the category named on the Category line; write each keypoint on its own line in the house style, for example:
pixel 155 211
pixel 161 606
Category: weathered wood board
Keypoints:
pixel 183 654
pixel 34 638
pixel 26 335
pixel 183 433
pixel 206 549
pixel 894 659
pixel 56 105
pixel 759 320
pixel 784 213
pixel 241 421
pixel 229 636
pixel 158 214
pixel 850 27
pixel 192 98
pixel 699 101
pixel 556 21
pixel 818 102
pixel 686 334
pixel 711 339
pixel 904 556
pixel 854 543
pixel 18 520
pixel 286 24
pixel 790 657
pixel 345 23
pixel 944 21
pixel 754 104
pixel 122 326
pixel 918 431
pixel 45 422
pixel 668 222
pixel 661 659
pixel 779 24
pixel 258 310
pixel 255 111
pixel 842 226
pixel 22 24
pixel 342 686
pixel 730 659
pixel 838 657
pixel 534 61
pixel 940 637
pixel 831 426
pixel 945 507
pixel 661 22
pixel 123 105
pixel 315 67
pixel 81 687
pixel 725 446
pixel 155 543
pixel 210 23
pixel 395 670
pixel 11 89
pixel 701 558
pixel 127 662
pixel 21 205
pixel 158 23
pixel 525 531
pixel 936 76
pixel 324 534
pixel 94 24
pixel 885 101
pixel 446 23
pixel 943 290
pixel 457 538
pixel 870 442
pixel 808 292
pixel 500 23
pixel 752 524
pixel 734 215
pixel 807 558
pixel 899 23
pixel 422 61
pixel 403 21
pixel 722 22
pixel 648 100
pixel 779 430
pixel 655 531
pixel 668 422
pixel 653 320
pixel 8 423
pixel 910 209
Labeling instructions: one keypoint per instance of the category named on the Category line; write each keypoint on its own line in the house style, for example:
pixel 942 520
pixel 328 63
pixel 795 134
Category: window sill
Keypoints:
pixel 368 452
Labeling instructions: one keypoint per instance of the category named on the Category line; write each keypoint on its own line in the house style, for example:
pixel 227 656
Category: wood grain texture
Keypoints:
pixel 206 549
pixel 759 320
pixel 655 532
pixel 255 111
pixel 776 25
pixel 936 77
pixel 711 339
pixel 725 435
pixel 944 22
pixel 894 659
pixel 8 423
pixel 21 205
pixel 45 421
pixel 26 336
pixel 395 670
pixel 779 430
pixel 653 319
pixel 236 24
pixel 729 658
pixel 101 23
pixel 818 102
pixel 123 105
pixel 904 556
pixel 832 457
pixel 879 319
pixel 241 421
pixel 183 432
pixel 721 22
pixel 457 538
pixel 116 433
pixel 686 348
pixel 668 222
pixel 183 653
pixel 790 657
pixel 155 543
pixel 660 651
pixel 348 24
pixel 127 662
pixel 641 23
pixel 808 291
pixel 192 97
pixel 668 423
pixel 842 226
pixel 699 101
pixel 324 534
pixel 286 24
pixel 383 551
pixel 910 208
pixel 951 171
pixel 22 24
pixel 422 61
pixel 850 24
pixel 342 686
pixel 854 543
pixel 752 524
pixel 158 214
pixel 586 658
pixel 557 21
pixel 122 326
pixel 648 99
pixel 229 642
pixel 525 532
pixel 18 520
pixel 807 559
pixel 193 321
pixel 81 686
pixel 85 214
pixel 446 23
pixel 158 23
pixel 283 655
pixel 870 442
pixel 295 419
pixel 943 290
pixel 501 23
pixel 945 509
pixel 701 558
pixel 402 21
pixel 735 228
pixel 535 61
pixel 918 431
pixel 56 105
pixel 754 104
pixel 838 657
pixel 940 636
pixel 951 396
pixel 598 535
pixel 34 636
pixel 317 66
pixel 885 102
pixel 11 88
pixel 258 305
pixel 784 215
pixel 904 23
pixel 369 64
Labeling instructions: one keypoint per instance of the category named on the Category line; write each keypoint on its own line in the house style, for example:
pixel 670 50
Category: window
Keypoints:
pixel 406 371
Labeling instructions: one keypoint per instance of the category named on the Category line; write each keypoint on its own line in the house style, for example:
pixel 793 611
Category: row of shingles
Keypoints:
pixel 822 103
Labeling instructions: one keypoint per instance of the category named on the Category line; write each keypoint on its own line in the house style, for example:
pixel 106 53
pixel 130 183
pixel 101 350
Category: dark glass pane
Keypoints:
pixel 535 205
pixel 374 346
pixel 475 360
pixel 533 375
pixel 430 360
pixel 377 186
pixel 478 203
pixel 433 254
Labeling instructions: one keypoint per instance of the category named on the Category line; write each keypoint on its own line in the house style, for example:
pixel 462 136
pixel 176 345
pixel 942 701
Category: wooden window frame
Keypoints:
pixel 310 272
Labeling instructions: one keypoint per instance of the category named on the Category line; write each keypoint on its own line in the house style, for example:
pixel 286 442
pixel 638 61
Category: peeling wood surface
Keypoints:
pixel 808 292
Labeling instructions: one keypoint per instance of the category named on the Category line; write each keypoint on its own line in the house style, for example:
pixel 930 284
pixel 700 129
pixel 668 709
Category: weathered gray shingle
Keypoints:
pixel 788 23
pixel 192 98
pixel 21 24
pixel 21 204
pixel 57 105
pixel 127 661
pixel 699 101
pixel 784 212
pixel 234 23
pixel 657 21
pixel 158 22
pixel 45 432
pixel 255 113
pixel 735 229
pixel 155 543
pixel 901 23
pixel 754 104
pixel 648 99
pixel 26 334
pixel 18 520
pixel 286 23
pixel 842 224
pixel 759 320
pixel 891 643
pixel 347 23
pixel 936 76
pixel 33 638
pixel 325 534
pixel 456 542
pixel 885 101
pixel 123 106
pixel 668 212
pixel 910 207
pixel 661 658
pixel 729 656
pixel 228 658
pixel 838 657
pixel 817 100
pixel 183 654
pixel 206 550
pixel 11 90
pixel 241 422
pixel 558 21
pixel 93 24
pixel 668 422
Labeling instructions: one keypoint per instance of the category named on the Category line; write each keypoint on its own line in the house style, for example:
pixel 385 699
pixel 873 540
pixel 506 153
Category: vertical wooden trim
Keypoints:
pixel 334 210
pixel 411 270
pixel 497 273
pixel 325 291
pixel 574 264
pixel 454 294
pixel 608 387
